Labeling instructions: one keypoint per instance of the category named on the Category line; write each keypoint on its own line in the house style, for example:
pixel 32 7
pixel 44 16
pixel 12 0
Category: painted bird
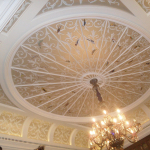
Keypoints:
pixel 84 23
pixel 58 30
pixel 131 37
pixel 136 46
pixel 39 43
pixel 112 71
pixel 113 25
pixel 91 41
pixel 113 40
pixel 130 61
pixel 68 61
pixel 77 42
pixel 119 46
pixel 44 90
pixel 93 51
pixel 107 63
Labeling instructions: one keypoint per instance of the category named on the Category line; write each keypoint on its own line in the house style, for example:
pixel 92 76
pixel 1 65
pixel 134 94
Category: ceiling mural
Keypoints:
pixel 52 69
pixel 11 123
pixel 50 58
pixel 145 4
pixel 50 5
pixel 4 99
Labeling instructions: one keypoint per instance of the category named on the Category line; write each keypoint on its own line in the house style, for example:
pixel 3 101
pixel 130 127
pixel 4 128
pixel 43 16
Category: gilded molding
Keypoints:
pixel 38 130
pixel 15 17
pixel 82 139
pixel 11 123
pixel 62 135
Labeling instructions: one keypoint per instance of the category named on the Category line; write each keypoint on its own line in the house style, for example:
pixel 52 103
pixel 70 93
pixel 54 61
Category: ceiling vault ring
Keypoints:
pixel 54 69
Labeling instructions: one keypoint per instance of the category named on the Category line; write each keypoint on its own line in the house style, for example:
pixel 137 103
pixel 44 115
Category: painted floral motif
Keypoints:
pixel 11 123
pixel 38 130
pixel 52 69
pixel 15 17
pixel 145 4
pixel 50 5
pixel 137 114
pixel 62 135
pixel 82 139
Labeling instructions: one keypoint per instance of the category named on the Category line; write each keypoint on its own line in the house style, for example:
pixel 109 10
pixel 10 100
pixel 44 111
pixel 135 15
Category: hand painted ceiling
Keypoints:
pixel 53 67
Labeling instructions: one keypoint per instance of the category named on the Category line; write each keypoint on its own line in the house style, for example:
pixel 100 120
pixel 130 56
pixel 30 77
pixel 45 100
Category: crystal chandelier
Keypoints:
pixel 111 132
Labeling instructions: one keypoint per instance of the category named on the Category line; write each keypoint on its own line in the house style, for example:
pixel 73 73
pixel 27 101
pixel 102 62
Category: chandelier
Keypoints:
pixel 111 132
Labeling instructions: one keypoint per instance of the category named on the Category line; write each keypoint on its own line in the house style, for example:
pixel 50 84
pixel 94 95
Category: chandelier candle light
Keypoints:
pixel 111 132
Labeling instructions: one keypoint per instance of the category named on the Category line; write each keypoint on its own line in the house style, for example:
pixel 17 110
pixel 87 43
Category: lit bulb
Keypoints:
pixel 115 120
pixel 120 117
pixel 118 110
pixel 102 122
pixel 104 112
pixel 127 122
pixel 91 132
pixel 93 120
pixel 131 131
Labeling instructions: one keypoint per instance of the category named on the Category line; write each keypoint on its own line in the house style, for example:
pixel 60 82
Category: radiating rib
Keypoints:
pixel 84 44
pixel 113 95
pixel 54 74
pixel 122 89
pixel 126 74
pixel 51 59
pixel 83 103
pixel 66 100
pixel 74 102
pixel 122 53
pixel 59 96
pixel 53 91
pixel 129 59
pixel 101 46
pixel 130 66
pixel 47 83
pixel 113 49
pixel 65 48
pixel 131 81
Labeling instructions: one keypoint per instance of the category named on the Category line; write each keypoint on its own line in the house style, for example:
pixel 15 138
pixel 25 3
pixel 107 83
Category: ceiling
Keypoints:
pixel 52 70
pixel 50 50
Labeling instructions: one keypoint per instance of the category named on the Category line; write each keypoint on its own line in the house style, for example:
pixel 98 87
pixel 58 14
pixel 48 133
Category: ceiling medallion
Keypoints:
pixel 111 132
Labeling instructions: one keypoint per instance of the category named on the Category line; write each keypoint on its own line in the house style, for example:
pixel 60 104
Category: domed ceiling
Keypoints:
pixel 52 68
